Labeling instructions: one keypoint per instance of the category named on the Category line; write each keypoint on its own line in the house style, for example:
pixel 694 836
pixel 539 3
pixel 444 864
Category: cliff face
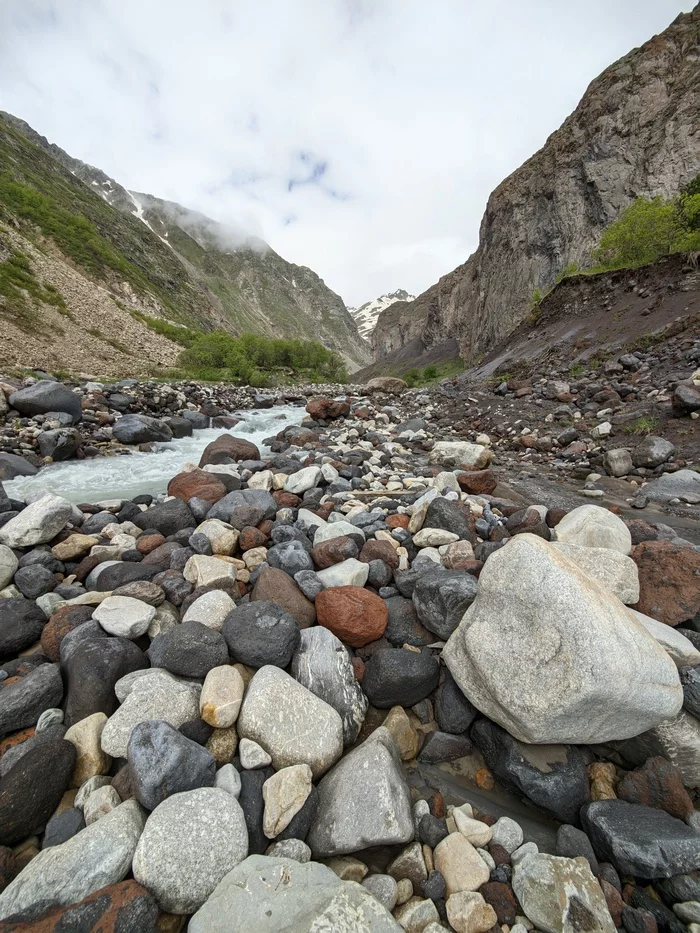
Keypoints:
pixel 635 132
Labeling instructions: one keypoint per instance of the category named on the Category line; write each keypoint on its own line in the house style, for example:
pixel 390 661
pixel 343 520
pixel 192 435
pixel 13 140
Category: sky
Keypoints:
pixel 358 137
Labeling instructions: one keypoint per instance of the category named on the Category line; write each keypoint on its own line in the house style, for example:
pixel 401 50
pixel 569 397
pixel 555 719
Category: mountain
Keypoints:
pixel 634 132
pixel 366 315
pixel 100 257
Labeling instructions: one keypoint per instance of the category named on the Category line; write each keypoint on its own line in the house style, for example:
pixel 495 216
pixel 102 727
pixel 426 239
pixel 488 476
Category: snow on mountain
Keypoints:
pixel 366 315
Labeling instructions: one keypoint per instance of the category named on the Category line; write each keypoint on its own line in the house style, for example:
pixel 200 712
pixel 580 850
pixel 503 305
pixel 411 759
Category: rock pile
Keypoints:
pixel 221 704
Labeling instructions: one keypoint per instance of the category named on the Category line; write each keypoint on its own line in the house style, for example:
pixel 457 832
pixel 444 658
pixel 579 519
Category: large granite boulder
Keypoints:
pixel 140 429
pixel 38 523
pixel 46 396
pixel 552 657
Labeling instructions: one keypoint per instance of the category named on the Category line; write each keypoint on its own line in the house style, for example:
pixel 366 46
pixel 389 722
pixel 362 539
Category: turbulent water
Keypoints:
pixel 127 476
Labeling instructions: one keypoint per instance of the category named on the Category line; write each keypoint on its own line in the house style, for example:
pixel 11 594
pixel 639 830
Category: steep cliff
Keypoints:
pixel 635 132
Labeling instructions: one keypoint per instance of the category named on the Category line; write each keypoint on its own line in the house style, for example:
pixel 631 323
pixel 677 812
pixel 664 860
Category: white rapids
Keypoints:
pixel 124 477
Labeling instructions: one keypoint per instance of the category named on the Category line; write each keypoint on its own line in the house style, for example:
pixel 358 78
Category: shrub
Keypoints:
pixel 430 372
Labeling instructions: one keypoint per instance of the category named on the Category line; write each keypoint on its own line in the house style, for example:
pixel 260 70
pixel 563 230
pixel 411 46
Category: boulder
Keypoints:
pixel 228 449
pixel 618 462
pixel 11 466
pixel 125 906
pixel 553 891
pixel 639 840
pixel 166 517
pixel 59 443
pixel 163 762
pixel 355 615
pixel 46 396
pixel 189 649
pixel 441 598
pixel 364 801
pixel 684 485
pixel 669 581
pixel 551 656
pixel 399 677
pixel 197 484
pixel 292 724
pixel 593 526
pixel 125 616
pixel 460 454
pixel 38 523
pixel 22 702
pixel 271 894
pixel 96 857
pixel 21 620
pixel 140 429
pixel 278 587
pixel 260 633
pixel 327 409
pixel 190 842
pixel 322 665
pixel 615 571
pixel 652 452
pixel 390 384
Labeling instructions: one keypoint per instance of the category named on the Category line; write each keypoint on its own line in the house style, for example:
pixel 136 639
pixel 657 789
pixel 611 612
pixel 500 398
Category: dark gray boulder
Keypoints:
pixel 163 762
pixel 140 429
pixel 442 597
pixel 641 841
pixel 12 465
pixel 167 517
pixel 21 624
pixel 59 444
pixel 398 677
pixel 190 650
pixel 23 702
pixel 260 633
pixel 46 396
pixel 453 711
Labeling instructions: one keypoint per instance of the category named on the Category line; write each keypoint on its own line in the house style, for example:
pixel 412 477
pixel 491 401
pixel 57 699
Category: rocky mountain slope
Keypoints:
pixel 106 252
pixel 366 315
pixel 635 132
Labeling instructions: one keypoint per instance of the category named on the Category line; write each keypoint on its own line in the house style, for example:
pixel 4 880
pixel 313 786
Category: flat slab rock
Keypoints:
pixel 271 895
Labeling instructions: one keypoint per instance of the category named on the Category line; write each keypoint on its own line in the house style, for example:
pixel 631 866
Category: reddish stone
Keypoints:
pixel 501 897
pixel 161 555
pixel 227 448
pixel 197 484
pixel 16 738
pixel 554 516
pixel 62 621
pixel 333 551
pixel 477 482
pixel 266 526
pixel 641 530
pixel 278 586
pixel 147 543
pixel 500 855
pixel 613 898
pixel 123 906
pixel 362 412
pixel 397 521
pixel 327 409
pixel 485 817
pixel 323 511
pixel 286 500
pixel 251 537
pixel 356 616
pixel 358 665
pixel 657 784
pixel 85 567
pixel 468 566
pixel 8 868
pixel 669 581
pixel 437 805
pixel 379 550
pixel 122 783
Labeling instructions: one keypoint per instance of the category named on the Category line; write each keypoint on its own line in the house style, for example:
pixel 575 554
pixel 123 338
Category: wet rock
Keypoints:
pixel 197 485
pixel 59 443
pixel 140 429
pixel 167 517
pixel 227 449
pixel 574 843
pixel 442 746
pixel 657 784
pixel 453 711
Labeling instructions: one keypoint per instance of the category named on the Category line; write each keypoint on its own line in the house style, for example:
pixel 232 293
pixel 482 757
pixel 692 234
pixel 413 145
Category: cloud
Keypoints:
pixel 358 137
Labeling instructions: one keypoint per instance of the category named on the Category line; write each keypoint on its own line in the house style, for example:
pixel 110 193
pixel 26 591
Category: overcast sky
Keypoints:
pixel 358 137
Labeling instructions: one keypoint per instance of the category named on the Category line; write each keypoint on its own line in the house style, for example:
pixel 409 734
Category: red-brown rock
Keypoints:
pixel 613 898
pixel 124 907
pixel 197 484
pixel 333 551
pixel 278 586
pixel 669 581
pixel 358 665
pixel 227 449
pixel 62 621
pixel 85 567
pixel 16 738
pixel 251 537
pixel 147 543
pixel 356 616
pixel 477 482
pixel 656 784
pixel 327 409
pixel 286 500
pixel 501 897
pixel 379 550
pixel 397 521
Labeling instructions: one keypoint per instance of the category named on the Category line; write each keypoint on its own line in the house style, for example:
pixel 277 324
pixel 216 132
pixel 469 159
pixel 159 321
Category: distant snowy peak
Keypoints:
pixel 366 315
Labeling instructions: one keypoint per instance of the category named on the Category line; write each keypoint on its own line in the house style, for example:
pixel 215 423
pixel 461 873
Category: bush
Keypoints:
pixel 430 372
pixel 253 360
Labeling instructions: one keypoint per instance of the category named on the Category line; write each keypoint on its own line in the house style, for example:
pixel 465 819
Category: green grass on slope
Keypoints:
pixel 21 292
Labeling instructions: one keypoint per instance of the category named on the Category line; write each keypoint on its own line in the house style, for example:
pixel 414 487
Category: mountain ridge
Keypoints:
pixel 365 315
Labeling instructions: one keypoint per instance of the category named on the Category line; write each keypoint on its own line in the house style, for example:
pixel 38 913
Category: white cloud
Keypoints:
pixel 392 119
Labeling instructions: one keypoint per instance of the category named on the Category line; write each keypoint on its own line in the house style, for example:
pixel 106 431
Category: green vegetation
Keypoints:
pixel 576 370
pixel 259 361
pixel 648 229
pixel 645 424
pixel 175 332
pixel 434 372
pixel 21 291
